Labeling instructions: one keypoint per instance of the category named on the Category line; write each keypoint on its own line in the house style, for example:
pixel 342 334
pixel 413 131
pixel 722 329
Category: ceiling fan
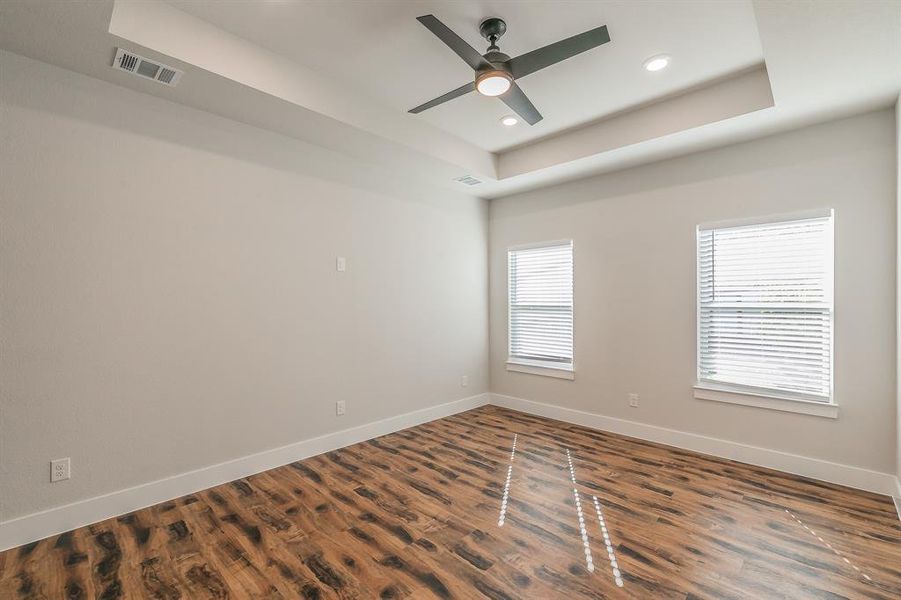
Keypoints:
pixel 496 73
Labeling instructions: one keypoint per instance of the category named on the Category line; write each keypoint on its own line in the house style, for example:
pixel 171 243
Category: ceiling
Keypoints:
pixel 378 49
pixel 342 74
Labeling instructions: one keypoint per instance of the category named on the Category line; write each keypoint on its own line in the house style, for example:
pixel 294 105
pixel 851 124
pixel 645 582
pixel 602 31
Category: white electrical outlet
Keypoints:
pixel 464 381
pixel 633 400
pixel 339 407
pixel 60 469
pixel 341 264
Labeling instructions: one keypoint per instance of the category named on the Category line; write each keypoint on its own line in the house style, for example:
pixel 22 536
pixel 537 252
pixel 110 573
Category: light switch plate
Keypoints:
pixel 341 264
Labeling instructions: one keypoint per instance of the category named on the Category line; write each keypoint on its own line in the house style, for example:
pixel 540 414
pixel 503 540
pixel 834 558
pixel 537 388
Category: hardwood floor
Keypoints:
pixel 416 514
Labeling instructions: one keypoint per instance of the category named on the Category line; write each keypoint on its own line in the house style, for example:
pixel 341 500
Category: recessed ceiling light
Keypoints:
pixel 656 63
pixel 509 120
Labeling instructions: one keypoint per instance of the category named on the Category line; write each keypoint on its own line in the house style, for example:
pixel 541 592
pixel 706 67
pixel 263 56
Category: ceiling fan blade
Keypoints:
pixel 516 99
pixel 460 91
pixel 527 63
pixel 455 42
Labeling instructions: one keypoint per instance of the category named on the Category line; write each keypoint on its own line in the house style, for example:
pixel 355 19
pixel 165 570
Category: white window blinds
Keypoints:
pixel 540 284
pixel 765 306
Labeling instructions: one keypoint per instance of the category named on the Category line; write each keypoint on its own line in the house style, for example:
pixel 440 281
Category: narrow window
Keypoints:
pixel 540 284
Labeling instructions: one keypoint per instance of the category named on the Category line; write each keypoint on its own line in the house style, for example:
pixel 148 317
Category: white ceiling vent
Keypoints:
pixel 138 65
pixel 468 180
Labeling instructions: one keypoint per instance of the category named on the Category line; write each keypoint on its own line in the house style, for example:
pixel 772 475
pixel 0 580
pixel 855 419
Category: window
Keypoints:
pixel 540 285
pixel 765 309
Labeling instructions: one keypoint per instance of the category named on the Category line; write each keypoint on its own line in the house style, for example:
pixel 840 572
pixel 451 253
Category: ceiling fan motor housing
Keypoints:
pixel 496 58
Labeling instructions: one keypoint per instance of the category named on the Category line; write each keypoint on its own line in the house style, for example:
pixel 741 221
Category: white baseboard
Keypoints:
pixel 40 525
pixel 855 477
pixel 897 496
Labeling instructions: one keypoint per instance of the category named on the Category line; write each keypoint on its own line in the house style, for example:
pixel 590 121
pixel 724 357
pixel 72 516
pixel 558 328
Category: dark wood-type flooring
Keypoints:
pixel 415 515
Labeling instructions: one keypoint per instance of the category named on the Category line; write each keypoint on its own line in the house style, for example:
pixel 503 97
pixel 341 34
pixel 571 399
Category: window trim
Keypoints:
pixel 813 213
pixel 559 370
pixel 759 397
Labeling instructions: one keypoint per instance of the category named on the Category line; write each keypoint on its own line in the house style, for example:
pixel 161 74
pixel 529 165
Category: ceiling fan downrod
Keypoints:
pixel 492 29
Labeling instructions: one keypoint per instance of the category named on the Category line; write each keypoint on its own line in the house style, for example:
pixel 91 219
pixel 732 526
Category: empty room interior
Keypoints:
pixel 450 299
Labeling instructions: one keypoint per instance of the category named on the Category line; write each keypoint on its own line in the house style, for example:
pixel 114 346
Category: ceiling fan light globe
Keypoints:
pixel 493 83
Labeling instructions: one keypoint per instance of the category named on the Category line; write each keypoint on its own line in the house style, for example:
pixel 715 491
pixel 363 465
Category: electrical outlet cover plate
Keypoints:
pixel 60 469
pixel 339 407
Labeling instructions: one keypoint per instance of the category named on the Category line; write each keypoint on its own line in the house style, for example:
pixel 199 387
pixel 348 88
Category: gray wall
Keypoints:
pixel 634 244
pixel 898 291
pixel 169 293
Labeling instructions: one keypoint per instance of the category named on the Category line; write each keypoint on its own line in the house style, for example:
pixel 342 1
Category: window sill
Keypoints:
pixel 705 391
pixel 545 369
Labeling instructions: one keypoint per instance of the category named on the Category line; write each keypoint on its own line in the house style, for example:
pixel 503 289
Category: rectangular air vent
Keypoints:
pixel 467 180
pixel 146 68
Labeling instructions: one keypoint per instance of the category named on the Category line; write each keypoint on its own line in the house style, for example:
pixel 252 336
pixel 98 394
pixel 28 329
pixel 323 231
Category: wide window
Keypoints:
pixel 765 307
pixel 540 284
